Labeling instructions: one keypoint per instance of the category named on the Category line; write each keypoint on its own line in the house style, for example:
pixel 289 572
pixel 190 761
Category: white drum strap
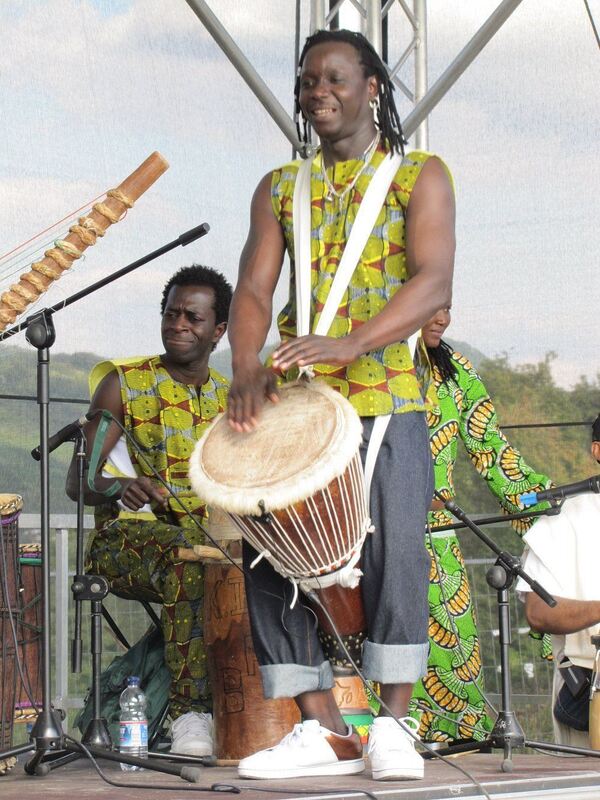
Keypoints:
pixel 377 434
pixel 364 223
pixel 301 220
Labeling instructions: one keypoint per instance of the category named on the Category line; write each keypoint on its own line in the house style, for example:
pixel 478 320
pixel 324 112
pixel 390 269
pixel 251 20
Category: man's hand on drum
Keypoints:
pixel 251 386
pixel 139 491
pixel 312 349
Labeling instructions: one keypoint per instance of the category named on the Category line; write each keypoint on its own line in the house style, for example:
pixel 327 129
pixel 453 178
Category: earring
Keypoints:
pixel 374 105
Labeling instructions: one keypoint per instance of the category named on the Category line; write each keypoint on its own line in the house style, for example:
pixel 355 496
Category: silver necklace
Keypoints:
pixel 331 190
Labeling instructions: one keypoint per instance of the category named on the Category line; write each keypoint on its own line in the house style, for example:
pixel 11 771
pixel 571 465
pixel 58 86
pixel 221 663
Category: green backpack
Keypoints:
pixel 145 659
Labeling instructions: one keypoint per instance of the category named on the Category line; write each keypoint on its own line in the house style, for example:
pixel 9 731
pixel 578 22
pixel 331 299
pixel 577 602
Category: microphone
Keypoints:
pixel 64 434
pixel 560 492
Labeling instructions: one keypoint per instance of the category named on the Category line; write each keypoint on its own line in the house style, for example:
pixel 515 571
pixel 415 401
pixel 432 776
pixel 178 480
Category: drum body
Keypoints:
pixel 10 507
pixel 244 721
pixel 345 608
pixel 30 630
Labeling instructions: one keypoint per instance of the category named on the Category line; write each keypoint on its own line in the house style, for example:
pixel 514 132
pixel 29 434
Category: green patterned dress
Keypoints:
pixel 448 702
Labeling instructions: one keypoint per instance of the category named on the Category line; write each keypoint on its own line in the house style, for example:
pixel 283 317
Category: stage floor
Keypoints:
pixel 534 776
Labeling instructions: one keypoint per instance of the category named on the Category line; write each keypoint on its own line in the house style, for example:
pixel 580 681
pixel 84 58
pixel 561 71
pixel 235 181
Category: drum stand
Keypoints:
pixel 507 733
pixel 48 741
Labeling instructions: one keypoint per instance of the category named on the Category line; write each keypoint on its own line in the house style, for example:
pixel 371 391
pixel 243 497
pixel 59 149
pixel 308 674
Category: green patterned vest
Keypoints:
pixel 383 381
pixel 166 419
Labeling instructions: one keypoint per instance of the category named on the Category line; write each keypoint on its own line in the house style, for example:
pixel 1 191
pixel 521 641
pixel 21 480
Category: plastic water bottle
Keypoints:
pixel 133 725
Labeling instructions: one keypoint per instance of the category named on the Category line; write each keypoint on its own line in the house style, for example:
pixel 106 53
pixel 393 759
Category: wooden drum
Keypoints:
pixel 294 488
pixel 30 631
pixel 10 508
pixel 244 721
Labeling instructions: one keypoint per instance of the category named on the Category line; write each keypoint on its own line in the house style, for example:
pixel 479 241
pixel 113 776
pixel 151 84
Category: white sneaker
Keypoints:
pixel 309 750
pixel 392 751
pixel 192 734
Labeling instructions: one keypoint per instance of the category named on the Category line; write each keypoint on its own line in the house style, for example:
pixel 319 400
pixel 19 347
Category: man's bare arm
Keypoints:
pixel 430 247
pixel 251 311
pixel 568 616
pixel 135 492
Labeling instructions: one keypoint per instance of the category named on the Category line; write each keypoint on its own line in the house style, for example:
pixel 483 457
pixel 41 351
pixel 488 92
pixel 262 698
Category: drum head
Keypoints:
pixel 10 504
pixel 301 444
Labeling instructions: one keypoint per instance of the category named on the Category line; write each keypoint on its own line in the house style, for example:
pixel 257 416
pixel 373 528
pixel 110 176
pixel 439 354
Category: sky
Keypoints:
pixel 89 88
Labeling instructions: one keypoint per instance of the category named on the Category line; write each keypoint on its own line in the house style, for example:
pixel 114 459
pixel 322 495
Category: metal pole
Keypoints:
pixel 466 56
pixel 373 23
pixel 420 13
pixel 246 70
pixel 317 15
pixel 61 614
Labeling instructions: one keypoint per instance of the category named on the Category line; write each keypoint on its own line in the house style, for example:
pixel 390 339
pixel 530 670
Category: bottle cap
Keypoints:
pixel 133 680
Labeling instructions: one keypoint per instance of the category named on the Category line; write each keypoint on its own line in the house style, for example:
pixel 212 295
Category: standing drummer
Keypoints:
pixel 403 276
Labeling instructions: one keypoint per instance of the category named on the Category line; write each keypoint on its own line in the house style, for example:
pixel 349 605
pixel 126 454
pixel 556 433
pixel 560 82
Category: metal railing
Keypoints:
pixel 531 677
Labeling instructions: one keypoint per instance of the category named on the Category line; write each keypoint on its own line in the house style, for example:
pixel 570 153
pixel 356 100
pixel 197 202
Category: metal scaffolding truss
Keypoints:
pixel 376 19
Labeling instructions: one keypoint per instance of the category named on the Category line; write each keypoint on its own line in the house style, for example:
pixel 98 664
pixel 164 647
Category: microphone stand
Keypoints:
pixel 507 732
pixel 48 741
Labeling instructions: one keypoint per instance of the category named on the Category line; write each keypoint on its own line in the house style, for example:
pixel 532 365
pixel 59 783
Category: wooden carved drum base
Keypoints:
pixel 244 721
pixel 10 507
pixel 351 697
pixel 30 631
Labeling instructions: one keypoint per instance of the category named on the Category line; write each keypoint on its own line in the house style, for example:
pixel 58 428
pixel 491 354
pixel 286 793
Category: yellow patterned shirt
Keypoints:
pixel 166 419
pixel 383 381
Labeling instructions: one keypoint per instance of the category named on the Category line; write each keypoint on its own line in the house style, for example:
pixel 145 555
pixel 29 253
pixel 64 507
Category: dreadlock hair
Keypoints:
pixel 197 275
pixel 441 357
pixel 388 120
pixel 596 429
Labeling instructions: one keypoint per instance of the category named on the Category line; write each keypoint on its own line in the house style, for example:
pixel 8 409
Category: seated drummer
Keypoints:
pixel 165 402
pixel 562 554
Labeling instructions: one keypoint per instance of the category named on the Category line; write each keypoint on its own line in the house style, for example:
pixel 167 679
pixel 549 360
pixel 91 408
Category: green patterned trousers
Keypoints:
pixel 448 702
pixel 139 558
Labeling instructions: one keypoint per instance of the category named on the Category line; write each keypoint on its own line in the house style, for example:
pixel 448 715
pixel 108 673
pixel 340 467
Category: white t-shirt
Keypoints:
pixel 563 554
pixel 118 464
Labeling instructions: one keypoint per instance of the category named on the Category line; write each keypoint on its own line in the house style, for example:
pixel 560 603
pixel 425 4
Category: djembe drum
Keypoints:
pixel 29 699
pixel 10 508
pixel 294 488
